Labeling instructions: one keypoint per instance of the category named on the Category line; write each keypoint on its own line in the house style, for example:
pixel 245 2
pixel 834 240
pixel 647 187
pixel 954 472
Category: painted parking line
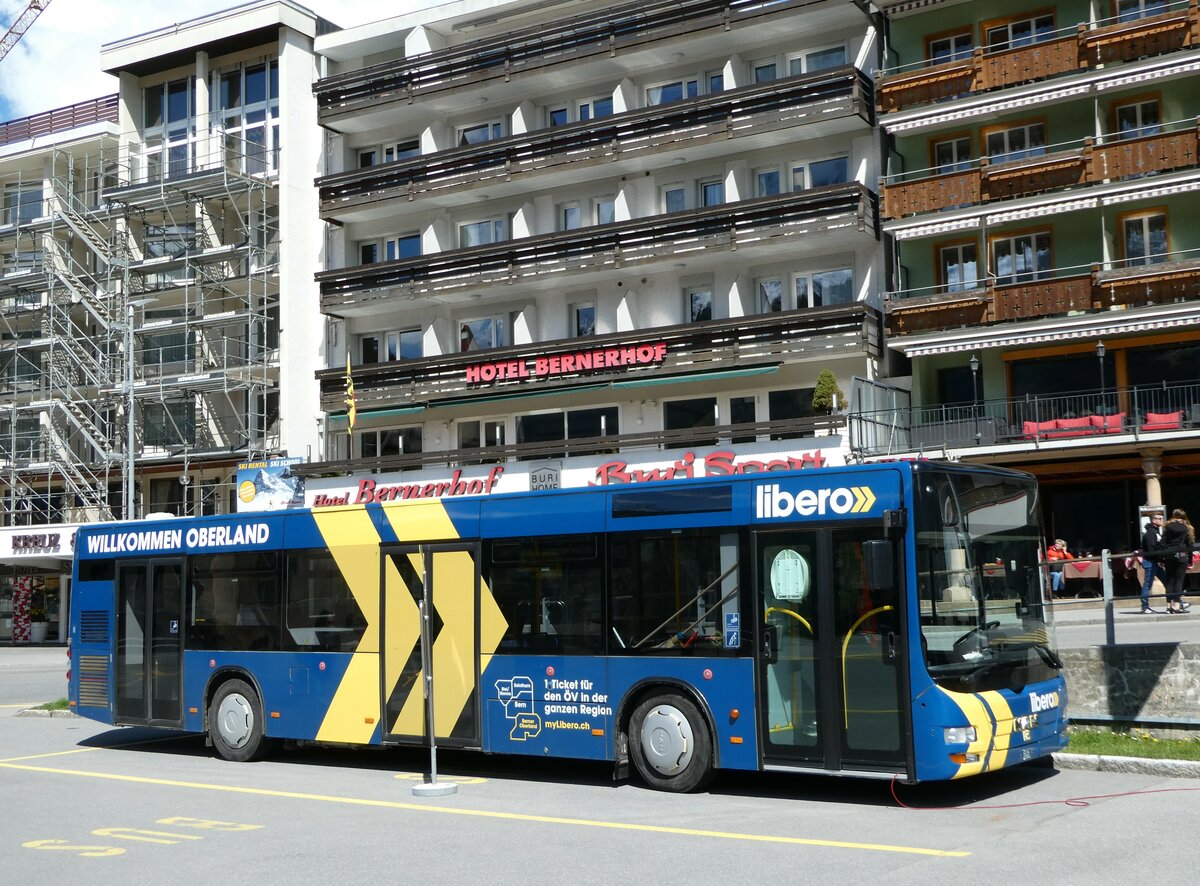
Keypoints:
pixel 504 816
pixel 27 705
pixel 54 754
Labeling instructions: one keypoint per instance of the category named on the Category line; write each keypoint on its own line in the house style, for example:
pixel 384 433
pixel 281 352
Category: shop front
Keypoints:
pixel 35 580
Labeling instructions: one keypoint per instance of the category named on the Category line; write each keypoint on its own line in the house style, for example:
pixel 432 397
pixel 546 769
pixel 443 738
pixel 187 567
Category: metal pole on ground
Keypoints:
pixel 429 788
pixel 1110 634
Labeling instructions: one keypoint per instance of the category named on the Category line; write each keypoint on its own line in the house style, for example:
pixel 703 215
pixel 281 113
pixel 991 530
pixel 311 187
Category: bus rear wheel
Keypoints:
pixel 670 744
pixel 235 722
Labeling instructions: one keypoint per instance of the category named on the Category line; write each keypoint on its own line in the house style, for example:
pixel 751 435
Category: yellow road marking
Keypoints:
pixel 506 816
pixel 55 754
pixel 31 704
pixel 456 779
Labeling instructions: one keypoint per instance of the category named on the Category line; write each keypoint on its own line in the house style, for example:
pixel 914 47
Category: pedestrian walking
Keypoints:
pixel 1178 542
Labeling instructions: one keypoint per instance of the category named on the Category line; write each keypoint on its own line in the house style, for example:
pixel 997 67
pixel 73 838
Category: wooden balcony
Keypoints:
pixel 736 113
pixel 636 242
pixel 97 110
pixel 1042 298
pixel 1090 163
pixel 1109 43
pixel 1159 283
pixel 763 340
pixel 607 33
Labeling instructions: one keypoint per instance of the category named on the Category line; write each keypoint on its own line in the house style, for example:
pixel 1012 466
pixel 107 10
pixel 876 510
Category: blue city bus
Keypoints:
pixel 883 620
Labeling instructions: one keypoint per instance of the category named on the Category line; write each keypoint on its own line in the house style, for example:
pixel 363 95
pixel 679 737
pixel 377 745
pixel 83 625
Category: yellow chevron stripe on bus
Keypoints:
pixel 977 715
pixel 354 545
pixel 420 521
pixel 402 632
pixel 1004 722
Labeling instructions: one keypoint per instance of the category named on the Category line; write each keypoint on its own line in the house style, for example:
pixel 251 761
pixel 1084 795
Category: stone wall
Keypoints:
pixel 1156 682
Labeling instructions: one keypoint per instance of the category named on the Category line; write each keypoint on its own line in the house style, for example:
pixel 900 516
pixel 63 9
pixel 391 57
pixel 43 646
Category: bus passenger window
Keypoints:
pixel 672 592
pixel 321 611
pixel 233 602
pixel 550 591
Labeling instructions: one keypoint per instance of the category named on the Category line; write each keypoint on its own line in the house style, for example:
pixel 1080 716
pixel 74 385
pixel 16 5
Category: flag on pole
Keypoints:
pixel 351 402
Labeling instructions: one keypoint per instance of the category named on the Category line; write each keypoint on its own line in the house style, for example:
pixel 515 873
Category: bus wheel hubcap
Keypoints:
pixel 235 719
pixel 667 740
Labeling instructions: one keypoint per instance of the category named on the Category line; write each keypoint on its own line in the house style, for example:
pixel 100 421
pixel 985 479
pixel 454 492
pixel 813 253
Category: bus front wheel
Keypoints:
pixel 235 722
pixel 670 744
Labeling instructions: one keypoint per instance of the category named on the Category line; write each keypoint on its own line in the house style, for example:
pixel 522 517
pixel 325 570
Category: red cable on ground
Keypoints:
pixel 1069 801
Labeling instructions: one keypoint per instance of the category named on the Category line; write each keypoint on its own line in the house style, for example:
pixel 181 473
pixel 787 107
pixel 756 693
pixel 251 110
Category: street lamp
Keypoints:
pixel 1100 358
pixel 975 394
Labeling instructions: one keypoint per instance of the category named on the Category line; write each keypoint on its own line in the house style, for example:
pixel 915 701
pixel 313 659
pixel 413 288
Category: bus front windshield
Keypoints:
pixel 985 624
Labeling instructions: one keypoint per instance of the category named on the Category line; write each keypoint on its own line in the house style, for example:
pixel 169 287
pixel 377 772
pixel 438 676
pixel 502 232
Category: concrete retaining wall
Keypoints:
pixel 1152 682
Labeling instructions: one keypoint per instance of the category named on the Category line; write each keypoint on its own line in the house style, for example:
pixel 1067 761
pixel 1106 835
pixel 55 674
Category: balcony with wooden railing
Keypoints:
pixel 1065 51
pixel 611 32
pixel 97 110
pixel 765 341
pixel 758 222
pixel 1154 280
pixel 1045 169
pixel 844 92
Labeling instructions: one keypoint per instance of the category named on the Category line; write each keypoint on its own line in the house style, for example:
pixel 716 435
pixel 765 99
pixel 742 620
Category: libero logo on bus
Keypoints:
pixel 773 501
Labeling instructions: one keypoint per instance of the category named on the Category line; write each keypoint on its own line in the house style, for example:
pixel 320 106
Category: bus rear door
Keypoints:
pixel 149 649
pixel 452 573
pixel 831 651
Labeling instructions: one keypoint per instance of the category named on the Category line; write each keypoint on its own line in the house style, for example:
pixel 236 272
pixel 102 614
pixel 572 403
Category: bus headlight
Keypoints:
pixel 959 734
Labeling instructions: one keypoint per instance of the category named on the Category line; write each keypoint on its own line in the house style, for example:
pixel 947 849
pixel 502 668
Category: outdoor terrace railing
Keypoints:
pixel 97 110
pixel 1041 170
pixel 766 341
pixel 1094 416
pixel 1153 280
pixel 640 240
pixel 609 32
pixel 817 426
pixel 1063 51
pixel 793 101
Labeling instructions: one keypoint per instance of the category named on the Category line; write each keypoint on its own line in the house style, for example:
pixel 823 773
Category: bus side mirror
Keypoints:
pixel 881 564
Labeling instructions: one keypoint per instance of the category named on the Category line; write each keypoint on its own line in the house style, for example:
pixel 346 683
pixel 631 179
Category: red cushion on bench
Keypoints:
pixel 1110 424
pixel 1163 421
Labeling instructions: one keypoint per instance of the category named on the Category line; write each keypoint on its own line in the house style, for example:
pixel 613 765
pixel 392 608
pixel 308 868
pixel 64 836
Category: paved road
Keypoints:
pixel 32 674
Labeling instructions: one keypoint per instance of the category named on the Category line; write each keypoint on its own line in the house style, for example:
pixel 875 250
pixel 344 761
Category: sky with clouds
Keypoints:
pixel 57 62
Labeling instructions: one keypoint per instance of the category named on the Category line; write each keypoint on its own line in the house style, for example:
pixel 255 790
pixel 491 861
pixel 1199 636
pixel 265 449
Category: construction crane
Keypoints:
pixel 21 25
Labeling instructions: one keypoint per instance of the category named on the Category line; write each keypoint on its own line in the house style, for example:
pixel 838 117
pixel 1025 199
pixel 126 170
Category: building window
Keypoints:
pixel 1144 238
pixel 1016 143
pixel 716 81
pixel 817 60
pixel 766 182
pixel 952 47
pixel 674 198
pixel 672 92
pixel 557 117
pixel 167 114
pixel 477 133
pixel 825 288
pixel 476 434
pixel 1019 32
pixel 743 411
pixel 592 108
pixel 482 233
pixel 765 71
pixel 699 305
pixel 958 267
pixel 390 441
pixel 1138 119
pixel 583 319
pixel 954 385
pixel 482 334
pixel 833 171
pixel 22 203
pixel 952 154
pixel 1131 10
pixel 169 424
pixel 680 415
pixel 389 153
pixel 171 242
pixel 770 295
pixel 569 217
pixel 792 404
pixel 604 210
pixel 168 349
pixel 389 249
pixel 1021 259
pixel 400 344
pixel 712 193
pixel 247 106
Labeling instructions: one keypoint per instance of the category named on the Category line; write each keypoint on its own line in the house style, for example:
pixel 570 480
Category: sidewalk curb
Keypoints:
pixel 1129 765
pixel 38 712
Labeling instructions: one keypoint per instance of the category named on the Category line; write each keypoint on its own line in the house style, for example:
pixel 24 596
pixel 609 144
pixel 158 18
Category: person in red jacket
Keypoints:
pixel 1057 552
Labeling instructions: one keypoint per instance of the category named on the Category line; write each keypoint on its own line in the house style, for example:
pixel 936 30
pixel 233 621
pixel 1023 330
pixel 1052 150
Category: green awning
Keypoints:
pixel 696 376
pixel 377 413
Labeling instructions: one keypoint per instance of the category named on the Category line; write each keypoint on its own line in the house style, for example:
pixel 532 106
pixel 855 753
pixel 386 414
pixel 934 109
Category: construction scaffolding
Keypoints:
pixel 139 325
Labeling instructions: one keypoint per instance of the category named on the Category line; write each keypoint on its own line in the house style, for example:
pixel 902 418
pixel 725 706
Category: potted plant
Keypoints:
pixel 37 625
pixel 827 396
